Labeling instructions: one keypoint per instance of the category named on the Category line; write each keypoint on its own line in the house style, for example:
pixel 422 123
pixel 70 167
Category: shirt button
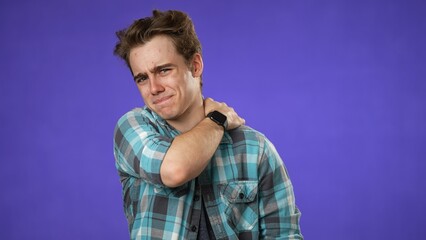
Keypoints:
pixel 196 198
pixel 193 228
pixel 241 195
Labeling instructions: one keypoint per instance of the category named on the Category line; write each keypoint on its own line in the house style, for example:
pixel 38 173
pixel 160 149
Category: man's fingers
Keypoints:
pixel 233 119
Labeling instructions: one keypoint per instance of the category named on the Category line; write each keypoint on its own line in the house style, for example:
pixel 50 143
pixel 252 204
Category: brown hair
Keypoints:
pixel 175 24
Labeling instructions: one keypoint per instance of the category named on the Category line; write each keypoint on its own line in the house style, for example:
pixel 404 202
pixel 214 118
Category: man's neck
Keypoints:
pixel 190 119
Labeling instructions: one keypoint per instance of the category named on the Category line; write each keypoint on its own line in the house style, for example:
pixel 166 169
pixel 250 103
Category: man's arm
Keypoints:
pixel 190 152
pixel 142 152
pixel 279 215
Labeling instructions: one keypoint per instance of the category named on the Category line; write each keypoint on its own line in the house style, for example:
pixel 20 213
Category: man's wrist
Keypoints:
pixel 218 118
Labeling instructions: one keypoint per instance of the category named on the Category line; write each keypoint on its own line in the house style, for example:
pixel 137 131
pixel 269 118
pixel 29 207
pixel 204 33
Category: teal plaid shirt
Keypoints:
pixel 246 190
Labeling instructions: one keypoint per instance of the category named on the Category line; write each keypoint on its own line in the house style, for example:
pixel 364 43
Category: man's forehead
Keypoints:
pixel 152 54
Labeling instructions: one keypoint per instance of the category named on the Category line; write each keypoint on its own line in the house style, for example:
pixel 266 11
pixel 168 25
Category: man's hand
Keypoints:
pixel 233 119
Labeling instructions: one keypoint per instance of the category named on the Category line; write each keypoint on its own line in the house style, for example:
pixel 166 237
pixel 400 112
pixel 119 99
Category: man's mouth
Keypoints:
pixel 161 100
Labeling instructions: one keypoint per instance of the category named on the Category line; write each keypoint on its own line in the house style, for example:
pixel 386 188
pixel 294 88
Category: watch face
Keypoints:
pixel 219 117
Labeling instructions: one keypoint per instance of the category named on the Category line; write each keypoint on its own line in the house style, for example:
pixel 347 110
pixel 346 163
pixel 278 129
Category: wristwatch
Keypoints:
pixel 218 118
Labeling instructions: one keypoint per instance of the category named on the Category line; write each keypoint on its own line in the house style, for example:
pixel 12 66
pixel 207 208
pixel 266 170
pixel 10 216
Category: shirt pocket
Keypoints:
pixel 240 198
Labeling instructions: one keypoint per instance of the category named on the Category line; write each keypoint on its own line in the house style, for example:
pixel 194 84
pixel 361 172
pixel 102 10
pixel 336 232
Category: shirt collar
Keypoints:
pixel 226 139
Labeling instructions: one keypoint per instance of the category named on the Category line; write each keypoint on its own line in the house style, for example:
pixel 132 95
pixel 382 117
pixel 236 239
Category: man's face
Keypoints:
pixel 167 85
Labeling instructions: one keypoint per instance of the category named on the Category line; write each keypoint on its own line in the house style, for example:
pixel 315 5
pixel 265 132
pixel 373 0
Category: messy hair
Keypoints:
pixel 175 24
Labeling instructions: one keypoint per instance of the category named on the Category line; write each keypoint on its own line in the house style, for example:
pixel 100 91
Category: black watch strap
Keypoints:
pixel 218 118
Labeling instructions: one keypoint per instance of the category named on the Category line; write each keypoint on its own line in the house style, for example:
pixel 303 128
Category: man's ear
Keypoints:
pixel 197 65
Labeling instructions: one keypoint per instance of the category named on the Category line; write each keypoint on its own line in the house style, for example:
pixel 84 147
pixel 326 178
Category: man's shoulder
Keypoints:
pixel 139 113
pixel 246 134
pixel 139 116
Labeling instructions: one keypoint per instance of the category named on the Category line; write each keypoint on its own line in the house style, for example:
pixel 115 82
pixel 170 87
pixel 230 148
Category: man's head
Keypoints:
pixel 174 24
pixel 164 56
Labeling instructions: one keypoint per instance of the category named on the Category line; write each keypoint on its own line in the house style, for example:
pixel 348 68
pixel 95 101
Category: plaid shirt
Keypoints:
pixel 245 188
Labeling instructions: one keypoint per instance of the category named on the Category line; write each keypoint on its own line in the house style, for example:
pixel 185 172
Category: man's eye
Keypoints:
pixel 164 70
pixel 141 79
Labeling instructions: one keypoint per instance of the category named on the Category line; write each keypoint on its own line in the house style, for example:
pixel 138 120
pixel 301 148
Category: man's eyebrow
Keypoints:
pixel 159 67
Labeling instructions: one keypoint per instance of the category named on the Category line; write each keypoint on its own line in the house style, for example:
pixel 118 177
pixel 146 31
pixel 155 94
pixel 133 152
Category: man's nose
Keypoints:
pixel 155 86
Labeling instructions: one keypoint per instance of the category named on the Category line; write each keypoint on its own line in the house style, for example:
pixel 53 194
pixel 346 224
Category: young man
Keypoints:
pixel 189 167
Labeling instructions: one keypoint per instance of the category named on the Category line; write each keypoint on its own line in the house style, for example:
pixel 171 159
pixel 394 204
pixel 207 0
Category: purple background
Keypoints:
pixel 338 86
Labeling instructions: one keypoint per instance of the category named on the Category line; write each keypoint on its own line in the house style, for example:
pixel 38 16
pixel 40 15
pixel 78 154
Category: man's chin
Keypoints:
pixel 166 115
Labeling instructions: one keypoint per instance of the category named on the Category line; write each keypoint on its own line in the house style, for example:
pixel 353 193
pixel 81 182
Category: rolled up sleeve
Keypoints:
pixel 279 215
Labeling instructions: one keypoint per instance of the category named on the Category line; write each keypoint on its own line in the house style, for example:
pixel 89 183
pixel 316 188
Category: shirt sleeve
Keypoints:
pixel 139 148
pixel 279 215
